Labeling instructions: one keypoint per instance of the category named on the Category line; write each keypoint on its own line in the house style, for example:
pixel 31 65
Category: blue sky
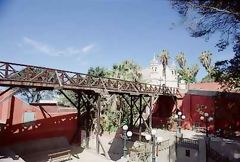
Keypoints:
pixel 77 34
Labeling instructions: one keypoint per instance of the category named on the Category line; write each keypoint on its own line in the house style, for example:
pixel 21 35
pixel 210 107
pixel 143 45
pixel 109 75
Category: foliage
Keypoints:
pixel 216 16
pixel 206 61
pixel 164 59
pixel 112 106
pixel 181 60
pixel 30 95
pixel 126 70
pixel 62 100
pixel 98 71
pixel 228 73
pixel 186 73
pixel 112 120
pixel 207 79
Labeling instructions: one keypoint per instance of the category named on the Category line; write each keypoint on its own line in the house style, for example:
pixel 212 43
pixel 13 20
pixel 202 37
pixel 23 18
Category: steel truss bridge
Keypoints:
pixel 19 75
pixel 89 90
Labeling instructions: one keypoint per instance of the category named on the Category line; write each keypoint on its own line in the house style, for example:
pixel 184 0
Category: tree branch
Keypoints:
pixel 213 8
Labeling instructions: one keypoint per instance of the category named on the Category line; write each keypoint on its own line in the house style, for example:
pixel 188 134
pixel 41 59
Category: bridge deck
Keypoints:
pixel 20 75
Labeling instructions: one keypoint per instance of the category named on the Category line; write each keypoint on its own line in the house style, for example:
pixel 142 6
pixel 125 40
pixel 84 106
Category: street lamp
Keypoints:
pixel 207 119
pixel 179 117
pixel 153 139
pixel 126 135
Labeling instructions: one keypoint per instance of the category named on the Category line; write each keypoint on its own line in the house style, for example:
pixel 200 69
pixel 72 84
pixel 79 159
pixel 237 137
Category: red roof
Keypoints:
pixel 212 86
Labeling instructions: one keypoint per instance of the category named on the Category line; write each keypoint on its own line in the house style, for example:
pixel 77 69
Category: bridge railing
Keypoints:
pixel 35 74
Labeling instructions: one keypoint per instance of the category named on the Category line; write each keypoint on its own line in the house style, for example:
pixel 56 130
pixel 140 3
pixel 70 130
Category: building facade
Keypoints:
pixel 154 74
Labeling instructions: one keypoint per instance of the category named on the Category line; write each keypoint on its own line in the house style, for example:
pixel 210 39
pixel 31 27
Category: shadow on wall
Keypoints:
pixel 63 125
pixel 162 111
pixel 227 115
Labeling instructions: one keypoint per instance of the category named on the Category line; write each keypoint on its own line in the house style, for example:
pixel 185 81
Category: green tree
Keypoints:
pixel 186 73
pixel 62 100
pixel 193 72
pixel 31 94
pixel 112 106
pixel 206 61
pixel 181 60
pixel 98 71
pixel 126 70
pixel 164 59
pixel 216 16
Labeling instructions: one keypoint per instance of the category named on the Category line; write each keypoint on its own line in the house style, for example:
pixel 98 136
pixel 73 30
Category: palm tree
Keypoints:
pixel 193 73
pixel 181 60
pixel 206 61
pixel 164 59
pixel 185 72
pixel 182 70
pixel 126 70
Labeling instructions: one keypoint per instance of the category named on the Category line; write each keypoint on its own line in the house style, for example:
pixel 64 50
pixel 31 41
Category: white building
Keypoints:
pixel 154 74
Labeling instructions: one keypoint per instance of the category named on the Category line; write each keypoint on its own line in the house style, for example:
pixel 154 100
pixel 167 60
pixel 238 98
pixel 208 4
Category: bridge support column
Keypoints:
pixel 131 112
pixel 150 114
pixel 98 123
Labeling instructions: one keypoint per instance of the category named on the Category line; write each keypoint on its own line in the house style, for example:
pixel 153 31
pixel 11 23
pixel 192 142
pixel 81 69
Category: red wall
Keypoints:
pixel 192 106
pixel 45 125
pixel 227 112
pixel 223 107
pixel 162 111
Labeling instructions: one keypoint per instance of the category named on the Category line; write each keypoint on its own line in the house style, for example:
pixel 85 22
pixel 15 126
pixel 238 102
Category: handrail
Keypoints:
pixel 13 74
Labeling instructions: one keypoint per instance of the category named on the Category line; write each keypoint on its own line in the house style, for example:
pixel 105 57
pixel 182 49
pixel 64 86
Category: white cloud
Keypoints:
pixel 88 48
pixel 51 51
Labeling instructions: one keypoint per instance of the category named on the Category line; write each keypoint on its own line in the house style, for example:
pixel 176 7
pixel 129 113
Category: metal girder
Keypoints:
pixel 88 88
pixel 20 75
pixel 76 106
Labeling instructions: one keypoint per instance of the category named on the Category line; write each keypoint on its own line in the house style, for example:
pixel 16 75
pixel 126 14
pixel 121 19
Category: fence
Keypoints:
pixel 142 152
pixel 185 142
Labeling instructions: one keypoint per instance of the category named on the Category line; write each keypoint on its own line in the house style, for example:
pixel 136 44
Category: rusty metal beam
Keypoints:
pixel 76 106
pixel 12 76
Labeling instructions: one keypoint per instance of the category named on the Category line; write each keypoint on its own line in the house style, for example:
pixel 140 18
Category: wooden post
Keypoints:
pixel 151 108
pixel 98 122
pixel 140 111
pixel 87 125
pixel 131 112
pixel 140 119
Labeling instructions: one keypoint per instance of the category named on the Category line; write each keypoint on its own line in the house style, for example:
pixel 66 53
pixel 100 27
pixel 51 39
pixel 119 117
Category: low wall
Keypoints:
pixel 44 124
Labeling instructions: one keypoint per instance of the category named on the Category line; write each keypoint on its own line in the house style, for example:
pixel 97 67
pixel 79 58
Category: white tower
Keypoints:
pixel 155 71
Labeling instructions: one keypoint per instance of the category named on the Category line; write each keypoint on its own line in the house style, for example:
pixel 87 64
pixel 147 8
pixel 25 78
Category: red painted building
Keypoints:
pixel 199 98
pixel 22 122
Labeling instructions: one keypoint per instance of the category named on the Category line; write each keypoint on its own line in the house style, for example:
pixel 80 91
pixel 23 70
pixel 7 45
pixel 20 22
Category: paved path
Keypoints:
pixel 113 146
